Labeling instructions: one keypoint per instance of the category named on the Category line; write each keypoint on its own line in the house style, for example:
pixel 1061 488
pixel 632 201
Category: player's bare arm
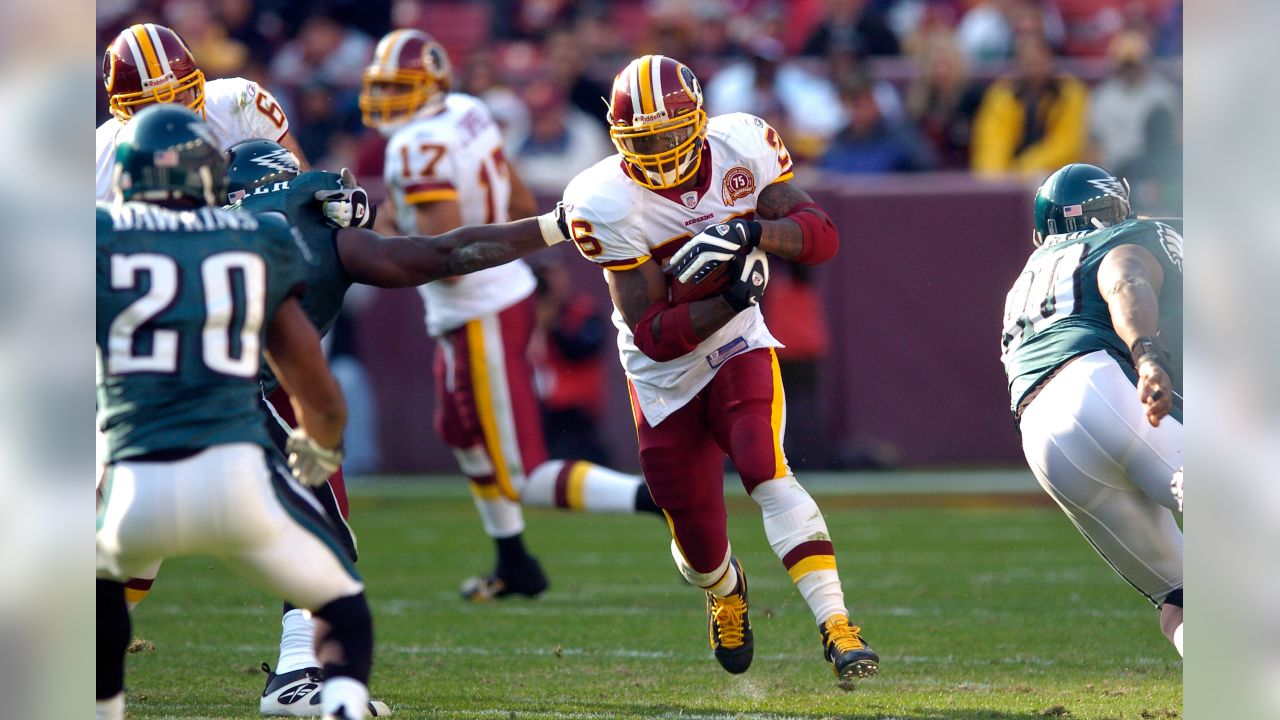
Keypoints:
pixel 1130 279
pixel 661 329
pixel 294 354
pixel 522 203
pixel 408 261
pixel 790 225
pixel 291 144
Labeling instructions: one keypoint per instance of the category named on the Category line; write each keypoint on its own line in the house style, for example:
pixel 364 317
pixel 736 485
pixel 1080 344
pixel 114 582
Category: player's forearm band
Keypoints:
pixel 821 241
pixel 550 226
pixel 1149 349
pixel 676 337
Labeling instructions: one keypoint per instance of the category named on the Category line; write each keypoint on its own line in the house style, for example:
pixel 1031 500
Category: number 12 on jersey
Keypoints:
pixel 1045 292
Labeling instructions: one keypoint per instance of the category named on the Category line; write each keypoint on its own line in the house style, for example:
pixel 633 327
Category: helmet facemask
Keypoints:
pixel 666 153
pixel 388 98
pixel 188 91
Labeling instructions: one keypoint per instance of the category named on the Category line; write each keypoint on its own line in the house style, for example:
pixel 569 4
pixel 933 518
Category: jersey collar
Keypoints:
pixel 674 194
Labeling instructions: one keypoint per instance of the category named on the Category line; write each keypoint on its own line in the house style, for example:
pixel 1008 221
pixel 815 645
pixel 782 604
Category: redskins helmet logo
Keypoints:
pixel 738 183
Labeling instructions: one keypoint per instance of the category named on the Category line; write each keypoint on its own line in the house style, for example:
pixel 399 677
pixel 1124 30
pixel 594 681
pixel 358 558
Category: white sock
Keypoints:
pixel 501 517
pixel 580 485
pixel 1177 639
pixel 297 642
pixel 798 535
pixel 110 709
pixel 344 693
pixel 719 582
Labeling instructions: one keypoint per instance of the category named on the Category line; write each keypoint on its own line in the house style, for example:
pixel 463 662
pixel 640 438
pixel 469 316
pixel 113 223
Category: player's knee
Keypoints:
pixel 753 448
pixel 344 638
pixel 668 494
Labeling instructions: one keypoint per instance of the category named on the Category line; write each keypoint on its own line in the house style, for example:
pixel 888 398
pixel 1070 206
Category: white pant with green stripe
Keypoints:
pixel 1086 438
pixel 229 502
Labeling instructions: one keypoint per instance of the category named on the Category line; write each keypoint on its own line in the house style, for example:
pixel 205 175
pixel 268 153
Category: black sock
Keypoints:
pixel 112 637
pixel 644 500
pixel 345 645
pixel 511 552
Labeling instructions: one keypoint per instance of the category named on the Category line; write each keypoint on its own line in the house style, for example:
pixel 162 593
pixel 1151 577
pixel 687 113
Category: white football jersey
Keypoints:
pixel 456 154
pixel 619 225
pixel 236 110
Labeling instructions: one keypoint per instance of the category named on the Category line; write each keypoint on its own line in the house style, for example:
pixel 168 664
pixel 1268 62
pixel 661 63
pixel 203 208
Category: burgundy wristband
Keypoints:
pixel 821 241
pixel 676 330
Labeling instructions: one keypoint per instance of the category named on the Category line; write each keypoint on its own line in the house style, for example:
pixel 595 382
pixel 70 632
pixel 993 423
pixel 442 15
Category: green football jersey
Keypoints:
pixel 184 300
pixel 1055 311
pixel 327 280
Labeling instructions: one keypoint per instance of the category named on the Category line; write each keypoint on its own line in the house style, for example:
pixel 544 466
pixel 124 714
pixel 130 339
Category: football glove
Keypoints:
pixel 714 245
pixel 311 464
pixel 348 205
pixel 750 277
pixel 1175 486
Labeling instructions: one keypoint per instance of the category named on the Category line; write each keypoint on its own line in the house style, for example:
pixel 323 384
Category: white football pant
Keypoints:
pixel 1087 440
pixel 225 501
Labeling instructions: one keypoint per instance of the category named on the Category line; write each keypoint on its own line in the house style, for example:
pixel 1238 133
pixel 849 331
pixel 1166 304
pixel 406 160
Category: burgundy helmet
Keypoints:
pixel 410 71
pixel 149 63
pixel 657 122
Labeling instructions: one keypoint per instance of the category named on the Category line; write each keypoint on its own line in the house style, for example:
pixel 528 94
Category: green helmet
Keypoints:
pixel 257 163
pixel 167 155
pixel 1072 198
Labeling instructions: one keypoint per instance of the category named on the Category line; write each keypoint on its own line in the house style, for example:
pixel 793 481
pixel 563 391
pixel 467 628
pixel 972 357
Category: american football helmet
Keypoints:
pixel 254 163
pixel 167 155
pixel 410 72
pixel 657 122
pixel 1076 196
pixel 149 63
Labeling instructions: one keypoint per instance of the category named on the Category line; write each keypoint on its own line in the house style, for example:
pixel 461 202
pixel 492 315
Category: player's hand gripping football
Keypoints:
pixel 348 205
pixel 713 246
pixel 311 464
pixel 1155 388
pixel 750 277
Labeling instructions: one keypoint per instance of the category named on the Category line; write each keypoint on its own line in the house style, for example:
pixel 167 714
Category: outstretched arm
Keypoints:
pixel 1129 279
pixel 408 261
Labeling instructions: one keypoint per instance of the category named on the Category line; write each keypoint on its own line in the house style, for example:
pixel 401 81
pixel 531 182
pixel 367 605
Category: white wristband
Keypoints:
pixel 550 229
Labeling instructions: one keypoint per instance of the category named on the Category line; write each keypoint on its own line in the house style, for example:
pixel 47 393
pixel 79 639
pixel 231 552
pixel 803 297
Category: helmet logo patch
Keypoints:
pixel 278 160
pixel 1109 186
pixel 167 158
pixel 738 183
pixel 1073 211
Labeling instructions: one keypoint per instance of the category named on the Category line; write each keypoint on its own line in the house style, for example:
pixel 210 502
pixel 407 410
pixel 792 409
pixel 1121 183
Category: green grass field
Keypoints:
pixel 986 606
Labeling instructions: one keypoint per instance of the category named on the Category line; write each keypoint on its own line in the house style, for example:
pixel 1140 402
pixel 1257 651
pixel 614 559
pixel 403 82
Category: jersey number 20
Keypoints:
pixel 1045 292
pixel 223 305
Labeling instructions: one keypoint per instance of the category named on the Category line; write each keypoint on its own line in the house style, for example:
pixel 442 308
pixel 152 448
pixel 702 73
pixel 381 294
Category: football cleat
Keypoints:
pixel 297 694
pixel 529 581
pixel 849 656
pixel 729 626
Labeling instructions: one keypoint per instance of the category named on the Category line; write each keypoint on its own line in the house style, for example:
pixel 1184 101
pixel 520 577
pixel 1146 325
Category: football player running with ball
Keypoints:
pixel 703 375
pixel 1092 349
pixel 191 300
pixel 444 169
pixel 148 64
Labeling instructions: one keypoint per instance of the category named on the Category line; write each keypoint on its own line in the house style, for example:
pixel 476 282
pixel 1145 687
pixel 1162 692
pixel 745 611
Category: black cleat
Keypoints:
pixel 849 656
pixel 528 580
pixel 729 626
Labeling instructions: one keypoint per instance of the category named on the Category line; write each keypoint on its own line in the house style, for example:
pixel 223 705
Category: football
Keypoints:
pixel 714 283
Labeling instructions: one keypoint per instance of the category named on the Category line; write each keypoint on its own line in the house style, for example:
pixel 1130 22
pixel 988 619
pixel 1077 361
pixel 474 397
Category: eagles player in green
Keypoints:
pixel 330 212
pixel 1092 350
pixel 190 300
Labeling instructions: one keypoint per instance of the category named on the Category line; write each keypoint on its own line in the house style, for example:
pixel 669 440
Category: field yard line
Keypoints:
pixel 941 482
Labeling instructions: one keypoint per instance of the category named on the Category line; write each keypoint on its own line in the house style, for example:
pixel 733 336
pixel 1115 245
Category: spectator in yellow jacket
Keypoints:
pixel 1033 121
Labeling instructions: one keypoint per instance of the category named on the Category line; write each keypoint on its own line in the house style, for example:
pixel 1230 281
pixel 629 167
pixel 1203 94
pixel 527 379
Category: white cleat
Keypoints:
pixel 297 694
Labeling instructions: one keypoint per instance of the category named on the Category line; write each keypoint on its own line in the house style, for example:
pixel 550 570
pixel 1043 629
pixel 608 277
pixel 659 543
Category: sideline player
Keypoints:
pixel 264 177
pixel 149 63
pixel 444 169
pixel 1092 349
pixel 189 298
pixel 703 375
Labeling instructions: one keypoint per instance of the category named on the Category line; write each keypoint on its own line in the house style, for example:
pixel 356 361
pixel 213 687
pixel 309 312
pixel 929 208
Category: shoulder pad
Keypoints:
pixel 602 193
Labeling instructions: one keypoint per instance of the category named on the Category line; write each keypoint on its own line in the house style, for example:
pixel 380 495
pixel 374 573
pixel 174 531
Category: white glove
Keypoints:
pixel 311 464
pixel 347 206
pixel 1175 486
pixel 554 226
pixel 717 244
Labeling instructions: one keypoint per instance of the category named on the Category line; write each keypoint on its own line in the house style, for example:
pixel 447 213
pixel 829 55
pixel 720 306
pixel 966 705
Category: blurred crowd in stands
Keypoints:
pixel 854 86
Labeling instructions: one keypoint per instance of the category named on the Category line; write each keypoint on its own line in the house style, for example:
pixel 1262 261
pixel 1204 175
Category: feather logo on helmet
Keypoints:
pixel 279 160
pixel 1110 186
